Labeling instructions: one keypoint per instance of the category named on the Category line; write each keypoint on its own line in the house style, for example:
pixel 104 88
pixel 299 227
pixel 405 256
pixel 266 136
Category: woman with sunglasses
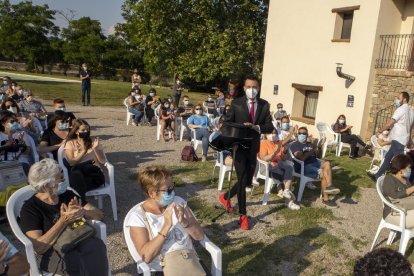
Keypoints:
pixel 55 134
pixel 163 223
pixel 202 126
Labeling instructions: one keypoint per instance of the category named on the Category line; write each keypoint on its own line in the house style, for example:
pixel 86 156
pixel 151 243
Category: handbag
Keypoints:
pixel 179 262
pixel 73 235
pixel 188 154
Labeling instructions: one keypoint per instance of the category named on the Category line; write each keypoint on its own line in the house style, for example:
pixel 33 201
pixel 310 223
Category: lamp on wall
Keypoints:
pixel 343 75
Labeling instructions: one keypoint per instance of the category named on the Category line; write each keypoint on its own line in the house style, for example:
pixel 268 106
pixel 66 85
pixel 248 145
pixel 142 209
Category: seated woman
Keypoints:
pixel 55 134
pixel 14 143
pixel 272 150
pixel 202 125
pixel 167 119
pixel 151 102
pixel 135 106
pixel 346 137
pixel 84 157
pixel 25 120
pixel 163 223
pixel 397 188
pixel 48 212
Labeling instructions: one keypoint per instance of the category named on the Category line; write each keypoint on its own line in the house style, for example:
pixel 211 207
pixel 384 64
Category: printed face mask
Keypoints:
pixel 63 126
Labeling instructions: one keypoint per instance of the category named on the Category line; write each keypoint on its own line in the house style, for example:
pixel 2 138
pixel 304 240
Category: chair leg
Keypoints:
pixel 114 207
pixel 267 188
pixel 391 237
pixel 158 132
pixel 339 150
pixel 376 235
pixel 222 174
pixel 325 147
pixel 405 238
pixel 301 189
pixel 100 202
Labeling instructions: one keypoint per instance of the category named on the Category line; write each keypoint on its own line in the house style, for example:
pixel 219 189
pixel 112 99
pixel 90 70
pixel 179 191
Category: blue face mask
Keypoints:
pixel 397 102
pixel 407 174
pixel 62 187
pixel 63 126
pixel 15 127
pixel 302 138
pixel 167 199
pixel 285 126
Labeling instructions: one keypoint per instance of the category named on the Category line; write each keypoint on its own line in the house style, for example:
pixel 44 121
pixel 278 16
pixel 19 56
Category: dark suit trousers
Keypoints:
pixel 245 164
pixel 86 93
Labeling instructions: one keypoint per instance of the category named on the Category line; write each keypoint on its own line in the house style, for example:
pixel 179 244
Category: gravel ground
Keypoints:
pixel 129 148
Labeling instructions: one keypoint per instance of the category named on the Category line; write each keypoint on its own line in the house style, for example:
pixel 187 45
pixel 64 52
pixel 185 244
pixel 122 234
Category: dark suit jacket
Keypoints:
pixel 239 113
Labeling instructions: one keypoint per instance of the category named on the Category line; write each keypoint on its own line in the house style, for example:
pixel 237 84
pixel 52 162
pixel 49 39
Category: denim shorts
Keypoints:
pixel 313 169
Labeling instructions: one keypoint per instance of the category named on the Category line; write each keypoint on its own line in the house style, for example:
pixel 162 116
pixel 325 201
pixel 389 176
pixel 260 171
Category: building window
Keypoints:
pixel 305 100
pixel 343 23
pixel 310 105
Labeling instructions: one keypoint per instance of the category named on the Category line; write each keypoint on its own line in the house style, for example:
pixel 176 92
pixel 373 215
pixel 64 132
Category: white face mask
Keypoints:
pixel 132 94
pixel 85 68
pixel 280 109
pixel 272 137
pixel 209 99
pixel 341 121
pixel 251 93
pixel 12 109
pixel 186 102
pixel 152 94
pixel 166 105
pixel 385 132
pixel 199 112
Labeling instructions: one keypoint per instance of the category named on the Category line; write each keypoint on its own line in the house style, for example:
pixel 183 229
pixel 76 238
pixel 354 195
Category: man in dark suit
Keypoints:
pixel 254 112
pixel 85 76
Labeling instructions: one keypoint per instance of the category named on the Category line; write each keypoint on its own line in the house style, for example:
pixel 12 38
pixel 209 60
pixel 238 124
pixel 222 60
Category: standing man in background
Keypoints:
pixel 85 76
pixel 178 89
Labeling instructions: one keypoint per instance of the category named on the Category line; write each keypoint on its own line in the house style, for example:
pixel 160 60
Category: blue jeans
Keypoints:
pixel 137 114
pixel 283 169
pixel 395 149
pixel 313 169
pixel 203 134
pixel 86 92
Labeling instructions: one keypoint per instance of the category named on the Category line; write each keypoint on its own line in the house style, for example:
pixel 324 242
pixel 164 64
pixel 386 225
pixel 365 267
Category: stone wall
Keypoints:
pixel 387 85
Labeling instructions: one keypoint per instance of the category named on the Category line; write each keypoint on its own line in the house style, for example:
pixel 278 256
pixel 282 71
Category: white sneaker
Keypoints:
pixel 287 194
pixel 293 206
pixel 203 158
pixel 280 193
pixel 311 186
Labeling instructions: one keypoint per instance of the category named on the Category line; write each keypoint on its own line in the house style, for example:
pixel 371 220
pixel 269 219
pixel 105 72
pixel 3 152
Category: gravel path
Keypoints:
pixel 129 148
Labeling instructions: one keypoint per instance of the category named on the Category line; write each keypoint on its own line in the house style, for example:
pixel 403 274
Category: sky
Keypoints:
pixel 108 12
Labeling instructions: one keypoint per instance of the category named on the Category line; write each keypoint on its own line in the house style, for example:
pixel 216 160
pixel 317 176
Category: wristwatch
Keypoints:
pixel 6 269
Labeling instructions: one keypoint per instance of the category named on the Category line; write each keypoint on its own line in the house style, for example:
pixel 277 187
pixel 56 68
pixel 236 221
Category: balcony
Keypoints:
pixel 396 52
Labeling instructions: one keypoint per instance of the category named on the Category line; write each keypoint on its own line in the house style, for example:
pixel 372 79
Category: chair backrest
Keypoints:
pixel 13 208
pixel 322 129
pixel 374 142
pixel 126 102
pixel 61 152
pixel 263 170
pixel 385 201
pixel 300 162
pixel 127 236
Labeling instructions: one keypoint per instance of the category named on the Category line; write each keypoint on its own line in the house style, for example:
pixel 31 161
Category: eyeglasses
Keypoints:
pixel 304 133
pixel 197 109
pixel 169 190
pixel 12 121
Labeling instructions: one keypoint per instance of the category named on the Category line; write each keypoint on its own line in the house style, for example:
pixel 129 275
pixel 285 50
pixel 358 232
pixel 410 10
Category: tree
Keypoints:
pixel 202 40
pixel 26 33
pixel 83 41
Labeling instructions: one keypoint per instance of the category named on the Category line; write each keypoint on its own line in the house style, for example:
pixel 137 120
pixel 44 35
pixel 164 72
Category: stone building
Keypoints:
pixel 326 58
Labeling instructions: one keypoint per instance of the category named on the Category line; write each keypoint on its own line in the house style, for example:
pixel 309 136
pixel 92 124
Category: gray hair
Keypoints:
pixel 28 92
pixel 42 173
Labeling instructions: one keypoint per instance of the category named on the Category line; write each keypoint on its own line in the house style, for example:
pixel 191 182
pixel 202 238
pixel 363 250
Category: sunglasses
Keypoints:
pixel 169 190
pixel 197 108
pixel 304 133
pixel 12 121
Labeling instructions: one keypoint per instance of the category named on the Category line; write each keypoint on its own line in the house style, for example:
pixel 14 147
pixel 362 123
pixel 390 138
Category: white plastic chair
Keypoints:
pixel 128 114
pixel 394 223
pixel 194 138
pixel 157 115
pixel 223 169
pixel 331 137
pixel 215 252
pixel 380 150
pixel 182 128
pixel 13 207
pixel 303 178
pixel 107 189
pixel 339 145
pixel 263 172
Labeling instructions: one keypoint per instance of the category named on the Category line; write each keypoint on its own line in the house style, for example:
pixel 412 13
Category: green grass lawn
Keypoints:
pixel 300 240
pixel 103 92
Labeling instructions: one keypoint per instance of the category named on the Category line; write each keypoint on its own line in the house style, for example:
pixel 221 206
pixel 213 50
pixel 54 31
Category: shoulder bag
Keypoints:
pixel 72 236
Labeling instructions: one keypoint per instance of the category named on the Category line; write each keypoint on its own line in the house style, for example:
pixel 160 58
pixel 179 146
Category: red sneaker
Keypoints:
pixel 226 203
pixel 244 222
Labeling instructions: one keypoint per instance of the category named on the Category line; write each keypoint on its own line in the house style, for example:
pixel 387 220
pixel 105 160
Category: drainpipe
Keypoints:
pixel 343 75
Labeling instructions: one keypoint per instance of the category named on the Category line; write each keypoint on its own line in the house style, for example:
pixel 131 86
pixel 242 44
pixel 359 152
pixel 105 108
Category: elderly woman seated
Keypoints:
pixel 47 213
pixel 55 134
pixel 34 107
pixel 163 224
pixel 397 188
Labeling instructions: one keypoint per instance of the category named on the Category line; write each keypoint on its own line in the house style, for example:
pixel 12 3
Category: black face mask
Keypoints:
pixel 84 135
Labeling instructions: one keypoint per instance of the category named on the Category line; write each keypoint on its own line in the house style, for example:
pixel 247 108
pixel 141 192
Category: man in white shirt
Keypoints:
pixel 401 123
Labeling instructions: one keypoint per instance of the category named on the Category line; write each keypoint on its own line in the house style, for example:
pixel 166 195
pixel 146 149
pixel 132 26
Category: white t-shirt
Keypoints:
pixel 177 238
pixel 24 157
pixel 403 117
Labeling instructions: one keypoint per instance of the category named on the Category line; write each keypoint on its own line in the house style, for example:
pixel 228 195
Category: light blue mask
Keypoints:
pixel 166 199
pixel 302 138
pixel 15 127
pixel 397 102
pixel 62 187
pixel 407 174
pixel 285 126
pixel 63 126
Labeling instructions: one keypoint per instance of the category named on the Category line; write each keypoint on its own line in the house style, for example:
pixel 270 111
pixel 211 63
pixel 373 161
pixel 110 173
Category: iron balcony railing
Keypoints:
pixel 383 115
pixel 396 52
